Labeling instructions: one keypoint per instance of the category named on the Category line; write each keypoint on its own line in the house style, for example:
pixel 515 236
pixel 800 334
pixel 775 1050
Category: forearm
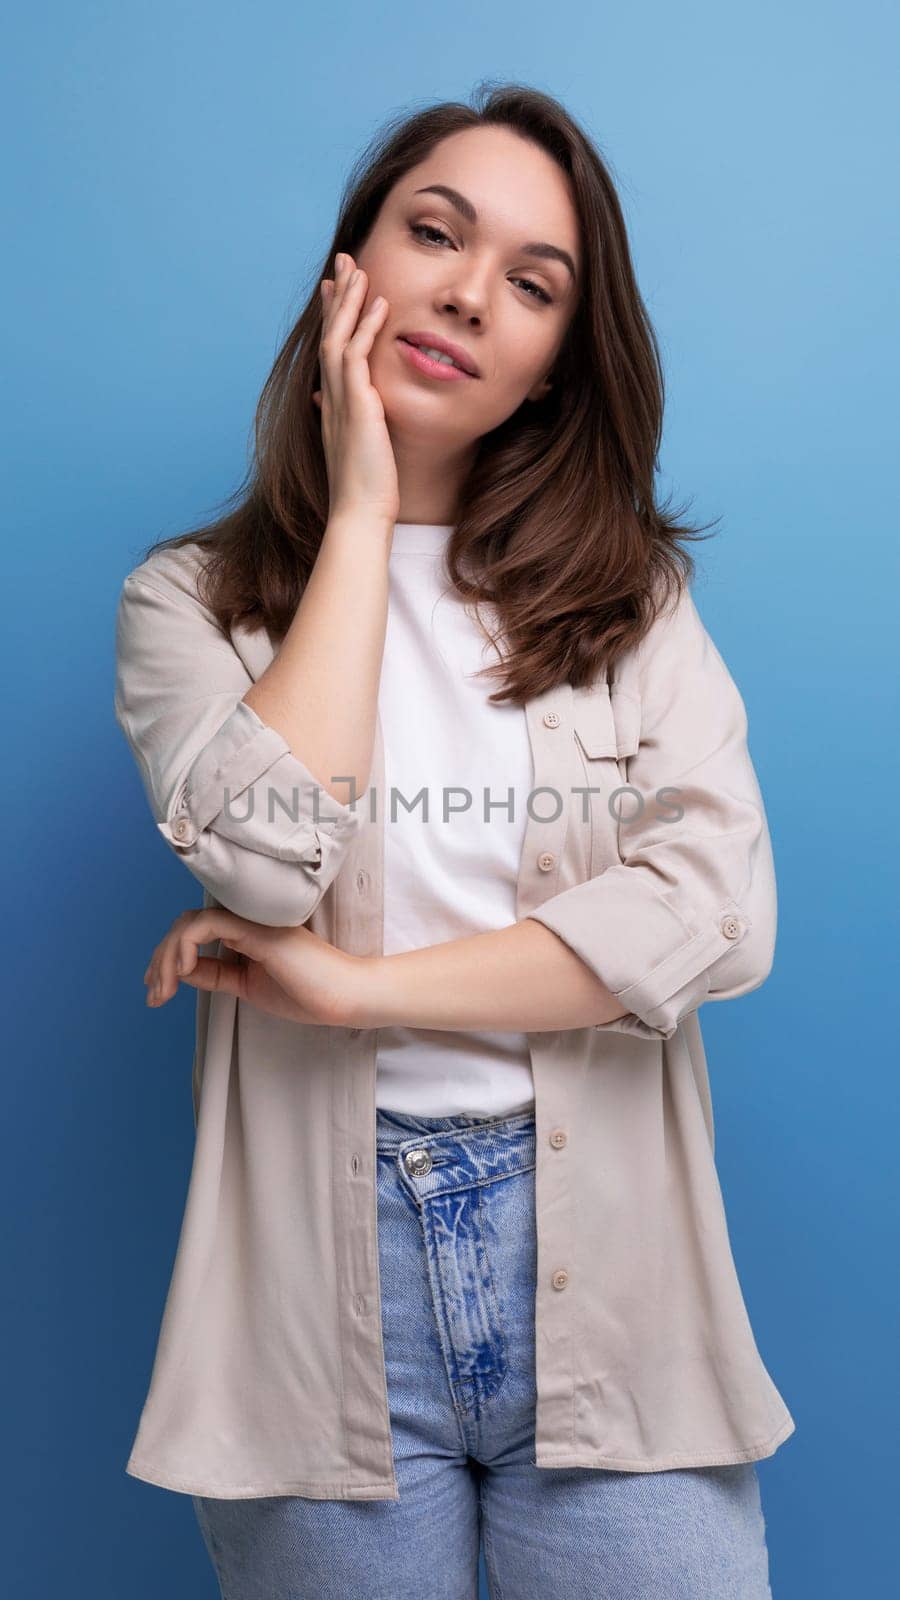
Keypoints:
pixel 321 690
pixel 517 979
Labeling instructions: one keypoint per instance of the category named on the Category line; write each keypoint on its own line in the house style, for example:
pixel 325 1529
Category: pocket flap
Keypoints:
pixel 606 727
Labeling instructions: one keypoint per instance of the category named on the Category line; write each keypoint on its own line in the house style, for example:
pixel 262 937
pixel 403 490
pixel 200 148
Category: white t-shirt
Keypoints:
pixel 446 879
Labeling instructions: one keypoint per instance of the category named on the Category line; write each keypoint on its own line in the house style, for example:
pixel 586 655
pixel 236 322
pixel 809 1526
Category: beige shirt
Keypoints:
pixel 269 1374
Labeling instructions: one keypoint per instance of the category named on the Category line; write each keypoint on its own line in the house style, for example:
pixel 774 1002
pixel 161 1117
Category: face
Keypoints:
pixel 461 271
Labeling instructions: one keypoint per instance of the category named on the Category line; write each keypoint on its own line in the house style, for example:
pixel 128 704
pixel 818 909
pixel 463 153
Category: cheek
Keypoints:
pixel 383 356
pixel 380 278
pixel 513 379
pixel 521 355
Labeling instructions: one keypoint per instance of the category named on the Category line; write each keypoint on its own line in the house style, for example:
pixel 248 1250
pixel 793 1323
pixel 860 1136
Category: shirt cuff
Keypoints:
pixel 642 948
pixel 247 784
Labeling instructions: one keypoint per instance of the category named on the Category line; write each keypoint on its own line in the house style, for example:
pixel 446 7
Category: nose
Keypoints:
pixel 460 305
pixel 468 299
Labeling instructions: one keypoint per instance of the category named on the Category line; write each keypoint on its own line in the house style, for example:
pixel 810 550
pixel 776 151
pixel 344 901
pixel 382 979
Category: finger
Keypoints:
pixel 347 310
pixel 369 323
pixel 356 337
pixel 195 928
pixel 153 972
pixel 360 342
pixel 339 328
pixel 222 977
pixel 334 293
pixel 357 376
pixel 165 980
pixel 344 268
pixel 252 984
pixel 179 950
pixel 154 975
pixel 151 980
pixel 335 290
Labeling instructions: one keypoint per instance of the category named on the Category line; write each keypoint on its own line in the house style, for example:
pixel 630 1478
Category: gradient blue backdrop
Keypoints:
pixel 172 174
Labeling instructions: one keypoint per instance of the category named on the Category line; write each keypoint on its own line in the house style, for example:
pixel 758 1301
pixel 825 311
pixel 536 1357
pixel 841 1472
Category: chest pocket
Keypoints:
pixel 607 732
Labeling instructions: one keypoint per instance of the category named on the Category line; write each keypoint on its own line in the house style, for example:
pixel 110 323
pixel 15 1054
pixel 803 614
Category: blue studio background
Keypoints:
pixel 172 175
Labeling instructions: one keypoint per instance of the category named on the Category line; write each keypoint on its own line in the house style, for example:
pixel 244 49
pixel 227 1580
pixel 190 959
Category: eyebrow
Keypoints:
pixel 549 252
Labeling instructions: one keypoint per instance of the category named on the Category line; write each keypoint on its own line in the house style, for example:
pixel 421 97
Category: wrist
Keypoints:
pixel 371 1003
pixel 358 527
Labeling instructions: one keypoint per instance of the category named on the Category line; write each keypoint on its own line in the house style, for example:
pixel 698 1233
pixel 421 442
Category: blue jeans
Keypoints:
pixel 457 1254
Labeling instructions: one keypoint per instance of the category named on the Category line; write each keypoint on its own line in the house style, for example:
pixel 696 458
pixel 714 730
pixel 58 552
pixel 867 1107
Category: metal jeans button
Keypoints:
pixel 418 1162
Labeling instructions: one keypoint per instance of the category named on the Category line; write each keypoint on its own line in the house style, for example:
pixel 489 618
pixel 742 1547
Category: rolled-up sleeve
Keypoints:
pixel 689 913
pixel 239 809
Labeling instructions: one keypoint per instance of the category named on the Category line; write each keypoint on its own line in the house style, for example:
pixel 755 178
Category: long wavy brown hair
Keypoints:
pixel 558 527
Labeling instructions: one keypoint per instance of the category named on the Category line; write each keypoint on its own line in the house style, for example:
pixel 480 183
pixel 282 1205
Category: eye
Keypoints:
pixel 419 228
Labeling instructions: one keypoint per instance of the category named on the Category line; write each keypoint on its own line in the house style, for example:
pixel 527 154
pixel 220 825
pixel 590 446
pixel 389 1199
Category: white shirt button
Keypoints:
pixel 730 927
pixel 558 1138
pixel 551 719
pixel 182 830
pixel 560 1278
pixel 546 860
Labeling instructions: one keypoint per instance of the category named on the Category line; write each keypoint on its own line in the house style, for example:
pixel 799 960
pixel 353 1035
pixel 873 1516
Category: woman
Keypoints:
pixel 454 1262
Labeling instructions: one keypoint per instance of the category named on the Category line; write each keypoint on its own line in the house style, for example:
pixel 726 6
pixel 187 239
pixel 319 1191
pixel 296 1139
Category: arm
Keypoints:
pixel 690 913
pixel 520 978
pixel 248 817
pixel 321 690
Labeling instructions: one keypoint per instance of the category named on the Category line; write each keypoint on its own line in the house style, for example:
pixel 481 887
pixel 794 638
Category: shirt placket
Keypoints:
pixel 359 921
pixel 549 720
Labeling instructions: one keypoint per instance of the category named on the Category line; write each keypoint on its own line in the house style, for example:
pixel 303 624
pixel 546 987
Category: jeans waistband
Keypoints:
pixel 476 1147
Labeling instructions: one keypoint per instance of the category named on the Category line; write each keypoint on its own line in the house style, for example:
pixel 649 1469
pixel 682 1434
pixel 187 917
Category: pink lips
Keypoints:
pixel 433 369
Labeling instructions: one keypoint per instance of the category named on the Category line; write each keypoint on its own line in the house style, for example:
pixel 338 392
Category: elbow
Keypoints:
pixel 738 971
pixel 747 967
pixel 273 892
pixel 763 955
